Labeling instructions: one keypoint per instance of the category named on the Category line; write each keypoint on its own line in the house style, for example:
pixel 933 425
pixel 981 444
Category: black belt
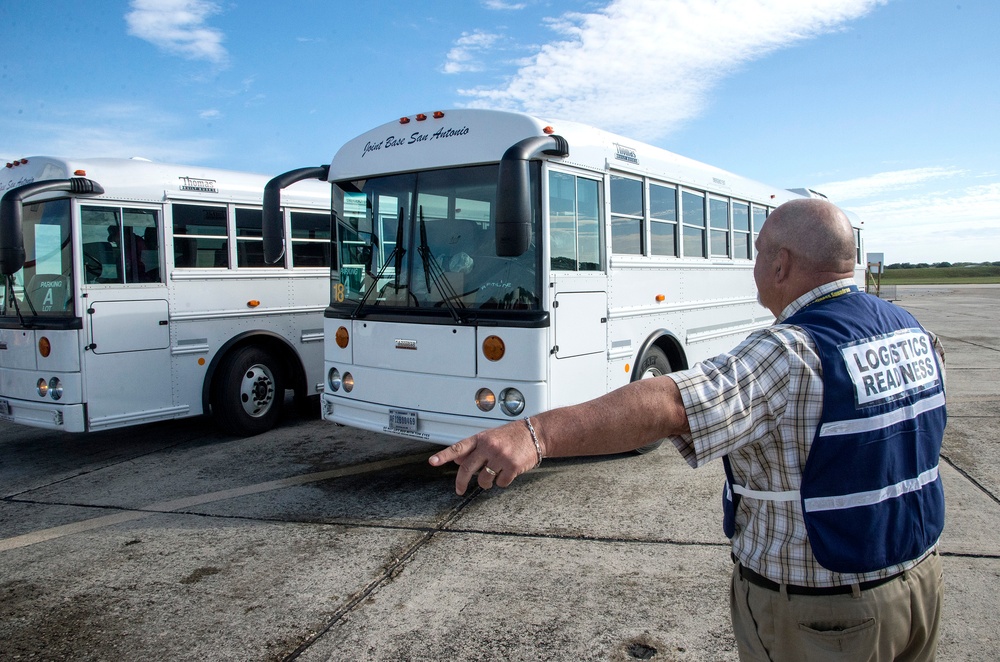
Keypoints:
pixel 762 581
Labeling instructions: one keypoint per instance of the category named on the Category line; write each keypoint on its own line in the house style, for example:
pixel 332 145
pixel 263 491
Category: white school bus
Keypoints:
pixel 492 265
pixel 136 291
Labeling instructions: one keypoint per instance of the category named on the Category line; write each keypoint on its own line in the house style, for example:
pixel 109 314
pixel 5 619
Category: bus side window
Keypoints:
pixel 310 239
pixel 201 236
pixel 142 255
pixel 574 222
pixel 249 240
pixel 101 259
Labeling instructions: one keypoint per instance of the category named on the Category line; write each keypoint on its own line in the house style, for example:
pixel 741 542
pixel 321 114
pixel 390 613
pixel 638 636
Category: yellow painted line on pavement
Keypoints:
pixel 174 505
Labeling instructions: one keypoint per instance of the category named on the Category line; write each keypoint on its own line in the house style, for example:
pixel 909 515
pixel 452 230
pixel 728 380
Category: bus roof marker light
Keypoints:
pixel 438 114
pixel 548 130
pixel 660 298
pixel 421 117
pixel 404 120
pixel 253 303
pixel 79 173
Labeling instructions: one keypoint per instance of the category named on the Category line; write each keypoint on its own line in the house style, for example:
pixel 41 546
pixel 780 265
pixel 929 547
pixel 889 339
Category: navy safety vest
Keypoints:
pixel 871 495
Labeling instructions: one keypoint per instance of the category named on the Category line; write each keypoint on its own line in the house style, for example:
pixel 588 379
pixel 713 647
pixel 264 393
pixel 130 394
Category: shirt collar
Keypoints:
pixel 814 294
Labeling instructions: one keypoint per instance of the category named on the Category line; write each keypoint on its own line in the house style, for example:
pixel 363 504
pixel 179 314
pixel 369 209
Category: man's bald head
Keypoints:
pixel 804 244
pixel 814 231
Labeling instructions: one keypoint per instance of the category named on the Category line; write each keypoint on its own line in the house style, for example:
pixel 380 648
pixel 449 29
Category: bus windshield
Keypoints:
pixel 427 240
pixel 43 287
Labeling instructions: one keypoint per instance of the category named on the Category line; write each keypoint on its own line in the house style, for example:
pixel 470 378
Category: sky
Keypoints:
pixel 889 107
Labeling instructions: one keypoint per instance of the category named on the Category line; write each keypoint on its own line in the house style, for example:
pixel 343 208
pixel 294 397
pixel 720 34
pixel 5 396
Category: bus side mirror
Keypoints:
pixel 12 254
pixel 272 223
pixel 513 219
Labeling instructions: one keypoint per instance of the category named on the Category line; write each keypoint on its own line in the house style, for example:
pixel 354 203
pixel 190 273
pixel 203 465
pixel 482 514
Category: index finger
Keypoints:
pixel 455 453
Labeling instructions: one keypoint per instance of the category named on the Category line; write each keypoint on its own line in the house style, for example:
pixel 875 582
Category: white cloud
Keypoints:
pixel 930 214
pixel 500 5
pixel 210 114
pixel 862 188
pixel 658 58
pixel 178 27
pixel 114 129
pixel 465 55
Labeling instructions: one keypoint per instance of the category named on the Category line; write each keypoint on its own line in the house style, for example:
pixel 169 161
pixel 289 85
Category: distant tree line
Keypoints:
pixel 925 265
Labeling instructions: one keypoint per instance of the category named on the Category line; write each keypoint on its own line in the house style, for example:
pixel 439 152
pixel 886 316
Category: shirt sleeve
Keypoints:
pixel 735 398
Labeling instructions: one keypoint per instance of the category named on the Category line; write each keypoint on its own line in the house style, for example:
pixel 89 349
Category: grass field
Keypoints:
pixel 941 275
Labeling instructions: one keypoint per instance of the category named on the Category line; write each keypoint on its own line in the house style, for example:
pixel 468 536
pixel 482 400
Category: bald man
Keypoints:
pixel 829 424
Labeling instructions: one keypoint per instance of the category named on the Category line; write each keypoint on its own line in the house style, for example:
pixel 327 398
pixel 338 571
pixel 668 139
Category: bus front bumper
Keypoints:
pixel 432 427
pixel 65 418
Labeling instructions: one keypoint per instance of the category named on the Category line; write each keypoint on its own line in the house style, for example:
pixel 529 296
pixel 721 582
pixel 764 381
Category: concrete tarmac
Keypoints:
pixel 316 542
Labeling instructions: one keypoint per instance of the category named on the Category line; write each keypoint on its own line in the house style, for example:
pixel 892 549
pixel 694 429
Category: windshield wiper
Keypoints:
pixel 434 272
pixel 11 282
pixel 396 256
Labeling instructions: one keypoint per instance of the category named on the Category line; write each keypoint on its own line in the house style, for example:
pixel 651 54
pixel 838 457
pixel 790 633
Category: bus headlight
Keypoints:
pixel 485 399
pixel 511 401
pixel 334 380
pixel 348 382
pixel 42 387
pixel 55 388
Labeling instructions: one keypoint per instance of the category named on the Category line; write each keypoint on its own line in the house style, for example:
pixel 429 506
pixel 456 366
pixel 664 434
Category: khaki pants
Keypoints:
pixel 895 621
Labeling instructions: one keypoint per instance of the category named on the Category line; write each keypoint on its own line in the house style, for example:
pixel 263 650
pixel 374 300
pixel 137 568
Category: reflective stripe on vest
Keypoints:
pixel 883 421
pixel 860 498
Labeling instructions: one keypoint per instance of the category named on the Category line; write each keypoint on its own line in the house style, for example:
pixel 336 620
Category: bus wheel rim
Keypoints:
pixel 257 390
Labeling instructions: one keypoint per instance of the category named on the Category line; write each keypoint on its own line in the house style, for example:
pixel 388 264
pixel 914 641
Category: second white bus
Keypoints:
pixel 136 291
pixel 492 265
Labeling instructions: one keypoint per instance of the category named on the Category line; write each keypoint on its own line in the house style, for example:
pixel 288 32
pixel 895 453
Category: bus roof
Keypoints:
pixel 472 136
pixel 141 180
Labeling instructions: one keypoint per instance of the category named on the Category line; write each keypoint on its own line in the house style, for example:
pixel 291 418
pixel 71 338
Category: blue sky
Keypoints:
pixel 889 107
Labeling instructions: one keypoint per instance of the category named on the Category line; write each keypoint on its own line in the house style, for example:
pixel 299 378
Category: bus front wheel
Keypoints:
pixel 249 392
pixel 654 364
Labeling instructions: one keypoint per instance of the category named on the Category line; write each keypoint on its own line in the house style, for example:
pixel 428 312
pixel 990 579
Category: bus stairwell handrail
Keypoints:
pixel 273 227
pixel 12 254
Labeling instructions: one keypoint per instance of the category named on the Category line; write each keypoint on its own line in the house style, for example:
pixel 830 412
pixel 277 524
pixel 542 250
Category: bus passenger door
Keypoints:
pixel 579 365
pixel 127 363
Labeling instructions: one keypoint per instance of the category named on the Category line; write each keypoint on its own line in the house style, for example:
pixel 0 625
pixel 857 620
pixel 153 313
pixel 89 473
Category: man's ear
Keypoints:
pixel 783 265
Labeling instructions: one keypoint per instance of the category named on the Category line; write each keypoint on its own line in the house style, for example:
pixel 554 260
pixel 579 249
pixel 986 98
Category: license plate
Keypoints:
pixel 4 408
pixel 404 421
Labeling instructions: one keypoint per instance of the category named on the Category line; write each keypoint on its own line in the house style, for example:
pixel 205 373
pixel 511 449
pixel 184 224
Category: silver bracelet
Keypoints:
pixel 534 438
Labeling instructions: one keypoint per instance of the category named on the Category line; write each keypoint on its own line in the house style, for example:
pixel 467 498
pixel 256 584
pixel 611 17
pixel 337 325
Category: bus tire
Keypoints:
pixel 654 363
pixel 249 392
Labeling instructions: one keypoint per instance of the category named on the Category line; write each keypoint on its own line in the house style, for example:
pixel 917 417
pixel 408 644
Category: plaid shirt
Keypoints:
pixel 760 404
